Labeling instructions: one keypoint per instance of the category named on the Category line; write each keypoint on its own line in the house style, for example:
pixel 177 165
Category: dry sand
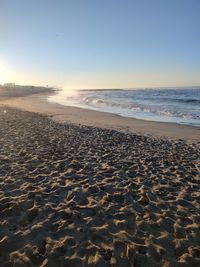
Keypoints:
pixel 74 195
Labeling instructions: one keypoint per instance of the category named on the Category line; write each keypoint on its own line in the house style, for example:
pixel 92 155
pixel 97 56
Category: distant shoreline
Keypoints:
pixel 14 90
pixel 141 88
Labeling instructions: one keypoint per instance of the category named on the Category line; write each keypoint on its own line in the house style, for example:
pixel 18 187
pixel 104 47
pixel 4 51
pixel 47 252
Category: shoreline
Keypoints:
pixel 38 103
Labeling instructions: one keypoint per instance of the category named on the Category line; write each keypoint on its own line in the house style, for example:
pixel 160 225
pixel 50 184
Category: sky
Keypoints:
pixel 100 44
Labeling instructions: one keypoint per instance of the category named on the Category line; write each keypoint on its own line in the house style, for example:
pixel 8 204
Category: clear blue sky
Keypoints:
pixel 100 44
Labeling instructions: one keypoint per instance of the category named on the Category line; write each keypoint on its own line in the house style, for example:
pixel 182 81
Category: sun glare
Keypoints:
pixel 6 74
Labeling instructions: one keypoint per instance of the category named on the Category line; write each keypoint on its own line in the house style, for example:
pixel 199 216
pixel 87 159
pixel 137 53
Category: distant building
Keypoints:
pixel 9 84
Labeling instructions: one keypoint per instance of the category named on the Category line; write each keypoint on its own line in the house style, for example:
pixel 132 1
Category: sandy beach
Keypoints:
pixel 96 189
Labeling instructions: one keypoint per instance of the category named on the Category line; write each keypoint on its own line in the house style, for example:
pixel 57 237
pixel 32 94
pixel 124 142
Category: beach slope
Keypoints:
pixel 75 195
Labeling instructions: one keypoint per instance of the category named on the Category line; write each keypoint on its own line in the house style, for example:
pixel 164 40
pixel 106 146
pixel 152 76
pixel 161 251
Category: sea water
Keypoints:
pixel 178 105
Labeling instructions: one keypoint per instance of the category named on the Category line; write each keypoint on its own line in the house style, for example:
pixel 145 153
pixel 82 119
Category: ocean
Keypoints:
pixel 177 105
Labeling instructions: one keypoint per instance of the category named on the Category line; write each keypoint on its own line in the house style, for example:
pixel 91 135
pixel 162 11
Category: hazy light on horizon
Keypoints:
pixel 105 80
pixel 106 44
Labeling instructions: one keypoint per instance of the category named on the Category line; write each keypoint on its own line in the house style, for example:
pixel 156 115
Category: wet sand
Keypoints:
pixel 74 195
pixel 38 103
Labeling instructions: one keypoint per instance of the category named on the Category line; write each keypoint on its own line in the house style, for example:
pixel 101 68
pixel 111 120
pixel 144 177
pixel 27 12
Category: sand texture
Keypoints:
pixel 73 195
